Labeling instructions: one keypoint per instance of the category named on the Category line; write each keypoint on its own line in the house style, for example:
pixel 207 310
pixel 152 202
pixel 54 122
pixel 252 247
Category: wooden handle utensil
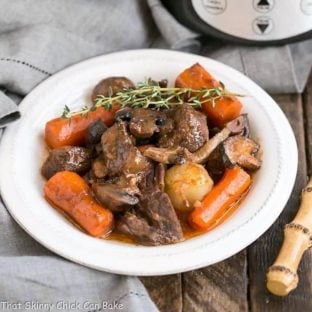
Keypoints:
pixel 282 275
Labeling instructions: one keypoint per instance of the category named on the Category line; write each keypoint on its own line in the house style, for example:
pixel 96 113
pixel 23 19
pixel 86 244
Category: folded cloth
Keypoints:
pixel 39 38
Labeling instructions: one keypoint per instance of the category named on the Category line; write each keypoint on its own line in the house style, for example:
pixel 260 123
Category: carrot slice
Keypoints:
pixel 220 199
pixel 60 131
pixel 69 192
pixel 226 108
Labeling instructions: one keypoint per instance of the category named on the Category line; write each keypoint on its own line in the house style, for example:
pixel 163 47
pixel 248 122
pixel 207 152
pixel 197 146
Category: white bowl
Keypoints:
pixel 22 155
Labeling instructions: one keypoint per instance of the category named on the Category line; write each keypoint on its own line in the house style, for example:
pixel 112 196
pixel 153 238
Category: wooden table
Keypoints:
pixel 238 283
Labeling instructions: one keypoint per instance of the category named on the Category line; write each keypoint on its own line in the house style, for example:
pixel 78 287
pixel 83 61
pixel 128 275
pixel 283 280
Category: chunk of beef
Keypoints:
pixel 146 122
pixel 71 158
pixel 154 220
pixel 154 179
pixel 120 156
pixel 190 129
pixel 95 131
pixel 215 165
pixel 155 223
pixel 124 164
pixel 110 86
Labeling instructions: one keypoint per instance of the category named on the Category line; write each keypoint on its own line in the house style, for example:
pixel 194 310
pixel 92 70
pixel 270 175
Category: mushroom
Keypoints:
pixel 95 131
pixel 180 155
pixel 114 197
pixel 239 125
pixel 202 155
pixel 241 151
pixel 175 155
pixel 110 86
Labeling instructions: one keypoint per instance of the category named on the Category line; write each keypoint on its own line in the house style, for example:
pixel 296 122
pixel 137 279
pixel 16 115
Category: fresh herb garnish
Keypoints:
pixel 150 95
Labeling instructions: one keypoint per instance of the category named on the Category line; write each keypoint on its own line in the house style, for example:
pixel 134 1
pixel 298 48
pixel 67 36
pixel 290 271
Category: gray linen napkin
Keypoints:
pixel 39 38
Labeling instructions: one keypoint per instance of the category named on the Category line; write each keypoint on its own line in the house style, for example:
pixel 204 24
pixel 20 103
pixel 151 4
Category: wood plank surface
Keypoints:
pixel 264 251
pixel 221 287
pixel 165 291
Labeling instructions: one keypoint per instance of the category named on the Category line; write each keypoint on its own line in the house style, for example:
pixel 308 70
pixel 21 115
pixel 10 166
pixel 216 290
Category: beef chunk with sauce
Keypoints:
pixel 71 158
pixel 155 224
pixel 121 157
pixel 190 129
pixel 154 220
pixel 146 122
pixel 215 164
pixel 123 164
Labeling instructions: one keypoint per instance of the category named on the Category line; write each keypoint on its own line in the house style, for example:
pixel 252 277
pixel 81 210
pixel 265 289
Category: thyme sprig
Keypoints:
pixel 149 94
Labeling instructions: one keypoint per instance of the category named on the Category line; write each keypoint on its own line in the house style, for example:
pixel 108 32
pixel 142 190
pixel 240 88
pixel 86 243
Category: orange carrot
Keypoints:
pixel 220 199
pixel 60 131
pixel 226 108
pixel 69 192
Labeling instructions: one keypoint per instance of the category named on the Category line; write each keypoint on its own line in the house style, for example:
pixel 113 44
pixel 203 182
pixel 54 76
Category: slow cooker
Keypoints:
pixel 246 21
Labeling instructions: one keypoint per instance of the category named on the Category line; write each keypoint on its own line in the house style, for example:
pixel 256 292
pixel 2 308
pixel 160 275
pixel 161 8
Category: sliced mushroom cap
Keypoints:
pixel 241 151
pixel 239 125
pixel 114 197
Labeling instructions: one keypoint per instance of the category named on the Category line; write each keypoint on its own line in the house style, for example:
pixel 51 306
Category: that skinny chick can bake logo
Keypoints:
pixel 61 306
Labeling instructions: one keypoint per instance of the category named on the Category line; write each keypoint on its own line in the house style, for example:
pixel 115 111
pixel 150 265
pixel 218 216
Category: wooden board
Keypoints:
pixel 165 291
pixel 220 287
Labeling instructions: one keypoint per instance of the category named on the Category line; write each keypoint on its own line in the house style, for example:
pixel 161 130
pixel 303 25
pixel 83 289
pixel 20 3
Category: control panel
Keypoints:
pixel 257 19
